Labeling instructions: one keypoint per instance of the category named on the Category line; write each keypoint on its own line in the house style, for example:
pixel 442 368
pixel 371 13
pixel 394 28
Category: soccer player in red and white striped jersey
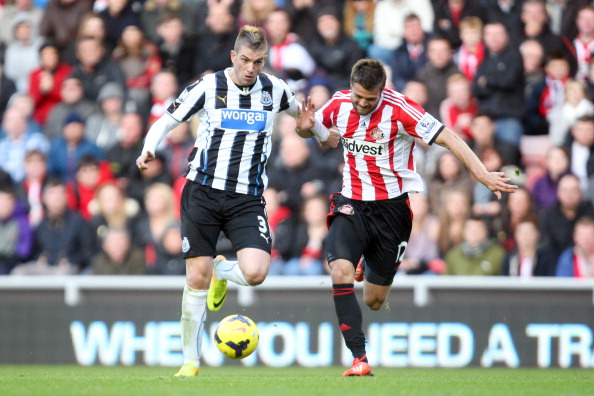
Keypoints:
pixel 371 217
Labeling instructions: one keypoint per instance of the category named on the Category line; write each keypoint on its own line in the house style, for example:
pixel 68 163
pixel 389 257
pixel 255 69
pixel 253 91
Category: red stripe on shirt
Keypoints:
pixel 356 187
pixel 377 180
pixel 392 141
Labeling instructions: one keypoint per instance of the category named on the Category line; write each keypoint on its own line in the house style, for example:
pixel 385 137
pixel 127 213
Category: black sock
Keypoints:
pixel 350 318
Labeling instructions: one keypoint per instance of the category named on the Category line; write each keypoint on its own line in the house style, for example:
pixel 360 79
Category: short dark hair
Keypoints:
pixel 252 37
pixel 369 73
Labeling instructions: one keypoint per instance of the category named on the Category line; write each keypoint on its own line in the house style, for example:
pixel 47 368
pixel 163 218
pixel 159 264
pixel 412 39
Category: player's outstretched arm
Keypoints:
pixel 153 138
pixel 494 181
pixel 308 126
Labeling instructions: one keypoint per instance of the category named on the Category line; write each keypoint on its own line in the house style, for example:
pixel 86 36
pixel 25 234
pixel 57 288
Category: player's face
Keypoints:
pixel 247 65
pixel 365 101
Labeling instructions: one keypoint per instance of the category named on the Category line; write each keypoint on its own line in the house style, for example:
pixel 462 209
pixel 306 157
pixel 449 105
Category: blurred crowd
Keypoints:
pixel 81 81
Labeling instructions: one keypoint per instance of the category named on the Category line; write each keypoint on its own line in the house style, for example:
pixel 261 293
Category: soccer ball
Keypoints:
pixel 236 336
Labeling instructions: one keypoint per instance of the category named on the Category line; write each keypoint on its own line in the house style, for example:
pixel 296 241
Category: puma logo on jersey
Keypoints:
pixel 363 147
pixel 222 99
pixel 243 120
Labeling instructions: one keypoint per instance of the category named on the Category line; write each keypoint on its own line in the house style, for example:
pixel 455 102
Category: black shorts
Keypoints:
pixel 377 230
pixel 206 211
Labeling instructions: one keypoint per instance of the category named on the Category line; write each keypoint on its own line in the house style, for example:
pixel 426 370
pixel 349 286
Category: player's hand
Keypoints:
pixel 144 159
pixel 333 139
pixel 306 114
pixel 498 183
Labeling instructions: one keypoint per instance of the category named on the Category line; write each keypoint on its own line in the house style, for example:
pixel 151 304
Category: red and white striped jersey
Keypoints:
pixel 378 147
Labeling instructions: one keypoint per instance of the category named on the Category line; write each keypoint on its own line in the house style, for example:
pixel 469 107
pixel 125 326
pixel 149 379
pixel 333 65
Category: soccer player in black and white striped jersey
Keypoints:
pixel 226 177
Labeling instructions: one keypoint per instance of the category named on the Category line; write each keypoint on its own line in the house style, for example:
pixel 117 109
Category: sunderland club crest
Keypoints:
pixel 377 134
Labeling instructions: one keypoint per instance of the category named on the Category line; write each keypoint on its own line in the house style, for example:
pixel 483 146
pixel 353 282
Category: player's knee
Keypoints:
pixel 254 278
pixel 197 280
pixel 374 303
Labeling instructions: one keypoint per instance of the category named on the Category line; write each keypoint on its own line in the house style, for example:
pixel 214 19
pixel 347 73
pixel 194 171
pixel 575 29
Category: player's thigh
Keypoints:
pixel 246 224
pixel 345 241
pixel 201 224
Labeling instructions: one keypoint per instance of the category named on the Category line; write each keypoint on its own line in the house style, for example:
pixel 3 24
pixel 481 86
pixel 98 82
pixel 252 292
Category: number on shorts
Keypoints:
pixel 401 250
pixel 263 225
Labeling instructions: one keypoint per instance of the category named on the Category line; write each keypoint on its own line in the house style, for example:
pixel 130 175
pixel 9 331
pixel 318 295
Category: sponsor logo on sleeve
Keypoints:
pixel 427 126
pixel 363 147
pixel 243 120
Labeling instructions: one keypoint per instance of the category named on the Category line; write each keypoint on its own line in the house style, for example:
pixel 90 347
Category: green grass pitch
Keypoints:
pixel 263 381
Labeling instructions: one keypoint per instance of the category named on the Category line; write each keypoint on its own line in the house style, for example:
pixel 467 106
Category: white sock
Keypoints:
pixel 229 270
pixel 192 323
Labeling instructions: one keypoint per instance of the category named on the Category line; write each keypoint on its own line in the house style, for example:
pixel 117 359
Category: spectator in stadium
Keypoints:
pixel 410 56
pixel 546 97
pixel 164 90
pixel 371 216
pixel 7 87
pixel 527 259
pixel 91 173
pixel 544 189
pixel 138 182
pixel 576 104
pixel 459 107
pixel 91 25
pixel 213 44
pixel 454 210
pixel 101 128
pixel 22 52
pixel 122 156
pixel 287 57
pixel 302 16
pixel 152 229
pixel 18 141
pixel 484 204
pixel 477 254
pixel 435 73
pixel 471 52
pixel 117 16
pixel 277 214
pixel 536 26
pixel 580 146
pixel 508 13
pixel 216 197
pixel 25 103
pixel 45 82
pixel 333 51
pixel 482 129
pixel 301 242
pixel 499 84
pixel 29 190
pixel 176 148
pixel 577 261
pixel 255 12
pixel 449 175
pixel 94 69
pixel 449 15
pixel 16 236
pixel 358 21
pixel 139 60
pixel 389 25
pixel 154 12
pixel 73 101
pixel 62 243
pixel 118 256
pixel 579 48
pixel 18 7
pixel 111 208
pixel 66 151
pixel 558 221
pixel 177 48
pixel 61 20
pixel 532 61
pixel 422 252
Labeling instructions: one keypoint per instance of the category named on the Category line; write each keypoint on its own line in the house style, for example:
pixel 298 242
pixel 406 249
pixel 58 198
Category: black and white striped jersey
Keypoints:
pixel 235 124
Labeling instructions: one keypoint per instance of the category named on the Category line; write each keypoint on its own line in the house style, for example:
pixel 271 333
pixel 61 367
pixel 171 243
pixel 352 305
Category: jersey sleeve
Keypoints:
pixel 417 122
pixel 288 99
pixel 327 113
pixel 189 102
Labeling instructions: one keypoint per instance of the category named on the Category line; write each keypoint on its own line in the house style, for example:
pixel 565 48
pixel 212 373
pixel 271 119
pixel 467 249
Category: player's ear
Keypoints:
pixel 233 55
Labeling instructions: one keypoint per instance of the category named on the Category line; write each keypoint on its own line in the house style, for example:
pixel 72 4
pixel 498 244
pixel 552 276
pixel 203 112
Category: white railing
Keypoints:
pixel 422 286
